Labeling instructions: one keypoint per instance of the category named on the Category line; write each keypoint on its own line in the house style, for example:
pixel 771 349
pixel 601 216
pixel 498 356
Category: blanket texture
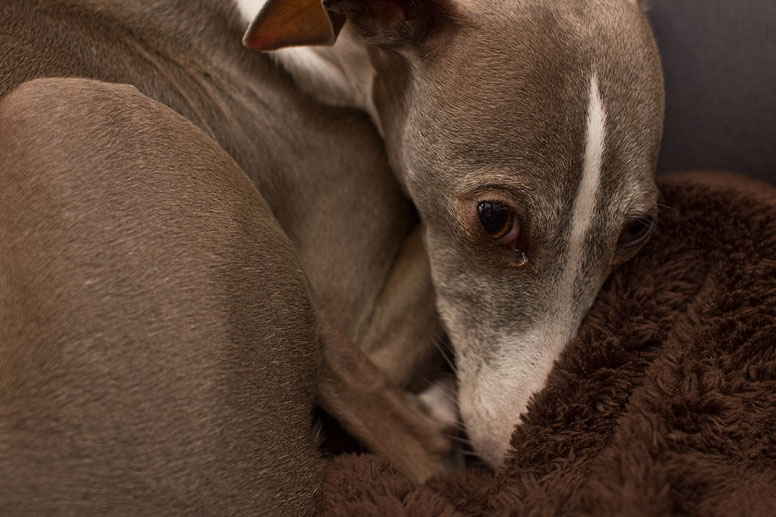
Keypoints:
pixel 664 404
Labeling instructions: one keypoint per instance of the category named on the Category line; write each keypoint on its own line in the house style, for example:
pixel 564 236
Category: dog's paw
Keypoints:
pixel 441 403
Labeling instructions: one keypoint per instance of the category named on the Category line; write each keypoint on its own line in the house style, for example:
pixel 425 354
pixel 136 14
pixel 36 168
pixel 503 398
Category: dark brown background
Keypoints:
pixel 720 65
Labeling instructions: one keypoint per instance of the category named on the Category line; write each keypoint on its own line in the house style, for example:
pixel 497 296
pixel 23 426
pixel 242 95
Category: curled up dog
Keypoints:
pixel 200 242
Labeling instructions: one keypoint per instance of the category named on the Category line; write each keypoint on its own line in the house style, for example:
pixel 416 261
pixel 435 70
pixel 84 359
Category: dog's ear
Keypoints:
pixel 389 22
pixel 290 23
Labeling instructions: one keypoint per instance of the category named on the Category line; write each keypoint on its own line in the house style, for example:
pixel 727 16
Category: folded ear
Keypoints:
pixel 393 21
pixel 289 23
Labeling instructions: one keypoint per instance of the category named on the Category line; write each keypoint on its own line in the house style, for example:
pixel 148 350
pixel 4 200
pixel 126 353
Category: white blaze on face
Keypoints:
pixel 584 205
pixel 492 398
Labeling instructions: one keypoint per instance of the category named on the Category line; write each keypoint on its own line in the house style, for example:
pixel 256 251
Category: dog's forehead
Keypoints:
pixel 510 94
pixel 500 114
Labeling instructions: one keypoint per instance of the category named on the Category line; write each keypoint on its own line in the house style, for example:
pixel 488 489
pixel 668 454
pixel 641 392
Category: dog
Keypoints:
pixel 131 382
pixel 567 214
pixel 525 132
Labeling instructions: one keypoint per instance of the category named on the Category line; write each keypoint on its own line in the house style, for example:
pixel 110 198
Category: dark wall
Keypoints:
pixel 720 65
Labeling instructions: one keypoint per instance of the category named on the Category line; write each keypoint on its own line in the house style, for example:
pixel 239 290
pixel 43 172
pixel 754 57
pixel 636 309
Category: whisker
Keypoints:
pixel 459 426
pixel 427 382
pixel 430 383
pixel 451 398
pixel 460 439
pixel 467 452
pixel 661 205
pixel 443 350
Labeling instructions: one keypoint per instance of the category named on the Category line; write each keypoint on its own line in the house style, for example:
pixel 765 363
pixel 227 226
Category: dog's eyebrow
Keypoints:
pixel 471 182
pixel 511 189
pixel 639 203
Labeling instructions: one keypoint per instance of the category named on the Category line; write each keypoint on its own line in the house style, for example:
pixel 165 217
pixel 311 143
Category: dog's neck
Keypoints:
pixel 340 75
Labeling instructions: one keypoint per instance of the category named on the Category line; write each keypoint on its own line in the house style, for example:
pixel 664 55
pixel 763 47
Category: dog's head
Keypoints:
pixel 526 132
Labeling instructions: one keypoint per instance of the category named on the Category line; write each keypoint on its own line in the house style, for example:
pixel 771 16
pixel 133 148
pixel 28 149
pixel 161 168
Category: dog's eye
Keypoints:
pixel 498 221
pixel 636 231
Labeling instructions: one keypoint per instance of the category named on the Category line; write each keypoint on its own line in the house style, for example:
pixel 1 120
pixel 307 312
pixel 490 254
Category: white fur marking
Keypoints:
pixel 584 205
pixel 492 402
pixel 341 75
pixel 440 401
pixel 249 9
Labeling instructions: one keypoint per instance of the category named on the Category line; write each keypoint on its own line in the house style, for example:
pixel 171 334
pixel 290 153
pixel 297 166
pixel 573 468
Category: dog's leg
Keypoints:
pixel 389 420
pixel 405 339
pixel 158 349
pixel 404 327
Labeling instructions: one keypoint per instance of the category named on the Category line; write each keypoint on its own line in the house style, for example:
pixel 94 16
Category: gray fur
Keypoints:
pixel 182 380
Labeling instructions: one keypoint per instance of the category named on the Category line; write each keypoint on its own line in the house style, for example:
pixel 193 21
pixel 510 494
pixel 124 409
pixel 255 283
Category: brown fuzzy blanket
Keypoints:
pixel 666 402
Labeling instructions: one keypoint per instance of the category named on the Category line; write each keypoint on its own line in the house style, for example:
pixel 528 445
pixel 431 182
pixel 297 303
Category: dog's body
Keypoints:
pixel 323 174
pixel 140 373
pixel 299 153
